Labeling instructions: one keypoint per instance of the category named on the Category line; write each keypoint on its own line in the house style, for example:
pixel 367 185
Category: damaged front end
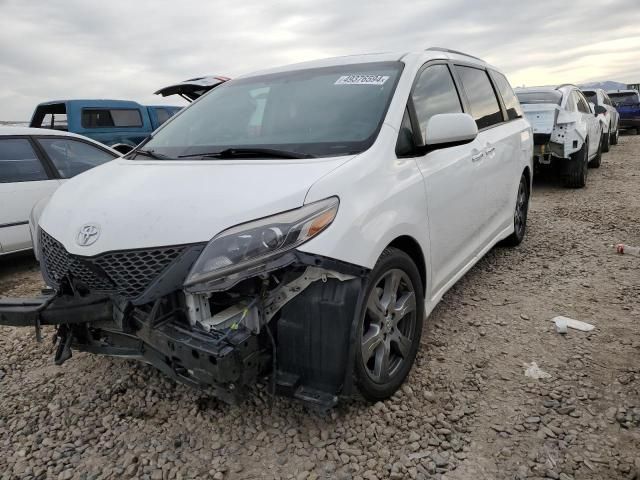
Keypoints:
pixel 282 315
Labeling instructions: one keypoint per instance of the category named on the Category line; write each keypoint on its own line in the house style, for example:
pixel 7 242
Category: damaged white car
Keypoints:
pixel 566 131
pixel 294 226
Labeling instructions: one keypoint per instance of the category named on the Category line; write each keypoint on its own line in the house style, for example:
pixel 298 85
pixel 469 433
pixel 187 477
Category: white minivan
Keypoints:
pixel 295 225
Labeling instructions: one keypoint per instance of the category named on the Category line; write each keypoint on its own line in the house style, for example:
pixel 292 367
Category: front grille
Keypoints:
pixel 127 273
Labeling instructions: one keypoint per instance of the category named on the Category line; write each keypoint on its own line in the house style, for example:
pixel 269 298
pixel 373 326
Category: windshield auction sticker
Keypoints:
pixel 362 80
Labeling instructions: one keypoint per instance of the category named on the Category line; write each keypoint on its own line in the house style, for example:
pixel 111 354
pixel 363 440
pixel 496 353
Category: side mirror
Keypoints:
pixel 600 110
pixel 449 129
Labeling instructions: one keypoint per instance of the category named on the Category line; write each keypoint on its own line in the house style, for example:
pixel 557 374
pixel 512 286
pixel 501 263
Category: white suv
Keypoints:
pixel 297 224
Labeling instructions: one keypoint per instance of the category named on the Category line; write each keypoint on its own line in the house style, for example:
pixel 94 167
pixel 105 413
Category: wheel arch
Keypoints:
pixel 527 174
pixel 411 247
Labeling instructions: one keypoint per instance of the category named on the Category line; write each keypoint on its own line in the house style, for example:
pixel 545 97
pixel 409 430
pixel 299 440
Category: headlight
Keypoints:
pixel 252 244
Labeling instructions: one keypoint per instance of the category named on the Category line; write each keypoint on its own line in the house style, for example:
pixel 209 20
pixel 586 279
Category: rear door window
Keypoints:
pixel 435 92
pixel 485 108
pixel 72 157
pixel 509 98
pixel 106 118
pixel 19 163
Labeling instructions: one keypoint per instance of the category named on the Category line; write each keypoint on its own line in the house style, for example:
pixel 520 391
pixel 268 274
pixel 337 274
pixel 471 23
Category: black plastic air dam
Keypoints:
pixel 315 336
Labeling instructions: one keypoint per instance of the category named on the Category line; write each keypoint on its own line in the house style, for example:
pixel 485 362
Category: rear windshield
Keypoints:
pixel 551 96
pixel 591 96
pixel 320 112
pixel 624 98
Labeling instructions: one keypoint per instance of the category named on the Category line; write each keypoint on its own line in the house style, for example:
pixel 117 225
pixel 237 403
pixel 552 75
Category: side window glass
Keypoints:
pixel 126 118
pixel 19 163
pixel 583 106
pixel 508 97
pixel 484 105
pixel 72 157
pixel 103 118
pixel 162 115
pixel 435 93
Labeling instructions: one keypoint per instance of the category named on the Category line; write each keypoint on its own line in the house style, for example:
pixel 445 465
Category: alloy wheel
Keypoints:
pixel 520 215
pixel 389 326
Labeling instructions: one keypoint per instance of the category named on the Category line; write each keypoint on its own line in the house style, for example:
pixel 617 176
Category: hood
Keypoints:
pixel 142 204
pixel 193 88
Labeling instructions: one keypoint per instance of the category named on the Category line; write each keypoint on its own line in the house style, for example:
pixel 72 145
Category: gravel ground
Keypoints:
pixel 467 411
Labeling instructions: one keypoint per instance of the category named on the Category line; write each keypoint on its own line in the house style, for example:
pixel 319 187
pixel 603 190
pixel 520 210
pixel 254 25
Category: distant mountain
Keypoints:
pixel 606 85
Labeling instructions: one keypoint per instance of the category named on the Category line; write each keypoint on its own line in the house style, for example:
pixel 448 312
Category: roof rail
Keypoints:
pixel 567 85
pixel 448 50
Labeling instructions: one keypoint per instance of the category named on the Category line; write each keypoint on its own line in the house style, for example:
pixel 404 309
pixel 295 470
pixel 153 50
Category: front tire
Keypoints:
pixel 390 326
pixel 606 140
pixel 614 137
pixel 576 176
pixel 520 214
pixel 597 160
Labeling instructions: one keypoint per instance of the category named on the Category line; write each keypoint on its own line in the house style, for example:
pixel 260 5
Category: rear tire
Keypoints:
pixel 390 326
pixel 520 214
pixel 614 137
pixel 576 176
pixel 597 160
pixel 606 140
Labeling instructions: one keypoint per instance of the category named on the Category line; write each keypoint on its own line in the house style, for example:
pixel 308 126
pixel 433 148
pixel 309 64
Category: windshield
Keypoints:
pixel 624 98
pixel 314 112
pixel 591 96
pixel 551 96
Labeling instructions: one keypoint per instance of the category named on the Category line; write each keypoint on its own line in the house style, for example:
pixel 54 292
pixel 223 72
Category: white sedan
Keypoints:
pixel 33 164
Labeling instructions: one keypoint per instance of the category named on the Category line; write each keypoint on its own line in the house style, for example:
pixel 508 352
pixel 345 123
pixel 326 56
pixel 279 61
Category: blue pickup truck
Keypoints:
pixel 119 124
pixel 627 102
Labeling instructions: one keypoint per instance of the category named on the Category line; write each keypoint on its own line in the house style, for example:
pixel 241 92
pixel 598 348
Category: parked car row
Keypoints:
pixel 571 128
pixel 299 224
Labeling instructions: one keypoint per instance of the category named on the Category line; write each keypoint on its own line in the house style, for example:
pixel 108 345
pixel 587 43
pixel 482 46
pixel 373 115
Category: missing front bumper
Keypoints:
pixel 304 352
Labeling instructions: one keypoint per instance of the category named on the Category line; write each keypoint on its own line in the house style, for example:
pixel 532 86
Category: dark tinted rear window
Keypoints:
pixel 624 98
pixel 484 105
pixel 105 118
pixel 591 96
pixel 551 96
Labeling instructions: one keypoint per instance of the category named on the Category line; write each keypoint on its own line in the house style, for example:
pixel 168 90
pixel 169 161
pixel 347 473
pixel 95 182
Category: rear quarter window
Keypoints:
pixel 485 108
pixel 509 98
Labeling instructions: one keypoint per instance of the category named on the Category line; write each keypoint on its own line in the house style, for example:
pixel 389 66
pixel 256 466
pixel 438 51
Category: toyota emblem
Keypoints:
pixel 88 235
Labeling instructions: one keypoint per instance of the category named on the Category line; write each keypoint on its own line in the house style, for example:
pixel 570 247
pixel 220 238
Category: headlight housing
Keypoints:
pixel 251 245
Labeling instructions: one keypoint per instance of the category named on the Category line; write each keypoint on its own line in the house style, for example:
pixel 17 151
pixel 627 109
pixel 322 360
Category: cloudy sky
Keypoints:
pixel 127 49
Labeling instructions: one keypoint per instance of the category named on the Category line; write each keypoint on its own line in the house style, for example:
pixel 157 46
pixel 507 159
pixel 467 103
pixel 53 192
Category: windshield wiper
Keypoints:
pixel 151 154
pixel 250 152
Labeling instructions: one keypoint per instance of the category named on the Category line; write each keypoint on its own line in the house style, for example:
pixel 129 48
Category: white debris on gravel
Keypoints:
pixel 533 371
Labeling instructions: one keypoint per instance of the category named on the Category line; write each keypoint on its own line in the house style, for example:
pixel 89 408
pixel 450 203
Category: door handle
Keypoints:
pixel 490 150
pixel 478 157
